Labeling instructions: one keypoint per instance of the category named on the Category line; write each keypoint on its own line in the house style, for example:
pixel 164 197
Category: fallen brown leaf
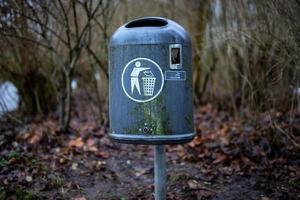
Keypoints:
pixel 80 198
pixel 196 141
pixel 90 142
pixel 76 143
pixel 36 137
pixel 140 171
pixel 219 159
pixel 101 154
pixel 194 185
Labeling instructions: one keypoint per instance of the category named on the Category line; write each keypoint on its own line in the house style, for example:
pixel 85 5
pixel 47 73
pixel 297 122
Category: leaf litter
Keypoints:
pixel 228 156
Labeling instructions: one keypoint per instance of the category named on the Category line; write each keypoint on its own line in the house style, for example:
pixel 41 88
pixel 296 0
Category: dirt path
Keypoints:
pixel 228 160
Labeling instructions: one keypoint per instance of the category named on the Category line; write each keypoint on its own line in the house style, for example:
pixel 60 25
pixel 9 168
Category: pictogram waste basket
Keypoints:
pixel 150 83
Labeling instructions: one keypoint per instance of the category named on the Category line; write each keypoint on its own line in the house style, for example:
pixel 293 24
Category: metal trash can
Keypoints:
pixel 150 83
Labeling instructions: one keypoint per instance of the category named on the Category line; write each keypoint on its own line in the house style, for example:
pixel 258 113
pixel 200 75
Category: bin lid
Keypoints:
pixel 150 30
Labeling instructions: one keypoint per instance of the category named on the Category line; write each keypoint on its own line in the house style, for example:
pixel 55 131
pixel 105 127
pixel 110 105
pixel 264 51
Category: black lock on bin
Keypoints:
pixel 150 83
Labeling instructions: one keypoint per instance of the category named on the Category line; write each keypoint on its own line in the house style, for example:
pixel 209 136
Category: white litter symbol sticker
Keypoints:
pixel 142 80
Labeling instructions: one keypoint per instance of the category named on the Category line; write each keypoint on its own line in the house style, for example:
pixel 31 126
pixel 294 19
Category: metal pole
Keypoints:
pixel 160 172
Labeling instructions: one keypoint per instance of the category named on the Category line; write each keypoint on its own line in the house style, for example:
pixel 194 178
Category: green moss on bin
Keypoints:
pixel 155 116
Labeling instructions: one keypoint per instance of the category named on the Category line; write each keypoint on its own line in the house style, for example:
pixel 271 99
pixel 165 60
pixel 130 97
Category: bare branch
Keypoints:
pixel 104 69
pixel 29 40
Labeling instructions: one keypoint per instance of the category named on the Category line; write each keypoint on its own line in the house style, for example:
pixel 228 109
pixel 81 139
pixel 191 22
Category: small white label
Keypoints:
pixel 175 75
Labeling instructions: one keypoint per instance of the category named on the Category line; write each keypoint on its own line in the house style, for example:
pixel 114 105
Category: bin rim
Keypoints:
pixel 170 32
pixel 152 139
pixel 164 22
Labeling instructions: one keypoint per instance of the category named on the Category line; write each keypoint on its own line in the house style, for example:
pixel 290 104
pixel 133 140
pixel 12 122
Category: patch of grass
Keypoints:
pixel 13 153
pixel 294 183
pixel 24 195
pixel 3 162
pixel 177 177
pixel 2 193
pixel 112 195
pixel 34 161
pixel 57 181
pixel 18 194
pixel 44 166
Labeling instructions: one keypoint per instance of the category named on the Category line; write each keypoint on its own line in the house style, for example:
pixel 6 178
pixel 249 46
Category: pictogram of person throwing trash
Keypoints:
pixel 142 79
pixel 134 76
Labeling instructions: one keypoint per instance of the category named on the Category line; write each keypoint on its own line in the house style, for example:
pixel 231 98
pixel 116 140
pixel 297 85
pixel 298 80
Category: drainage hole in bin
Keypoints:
pixel 146 130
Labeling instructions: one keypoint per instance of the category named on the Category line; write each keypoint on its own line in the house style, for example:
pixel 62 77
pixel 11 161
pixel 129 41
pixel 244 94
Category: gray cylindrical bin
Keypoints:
pixel 150 85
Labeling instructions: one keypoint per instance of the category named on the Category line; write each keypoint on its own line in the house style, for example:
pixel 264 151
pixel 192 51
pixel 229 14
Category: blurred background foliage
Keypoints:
pixel 245 52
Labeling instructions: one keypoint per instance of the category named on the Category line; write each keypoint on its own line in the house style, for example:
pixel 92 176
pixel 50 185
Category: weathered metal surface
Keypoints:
pixel 160 172
pixel 150 97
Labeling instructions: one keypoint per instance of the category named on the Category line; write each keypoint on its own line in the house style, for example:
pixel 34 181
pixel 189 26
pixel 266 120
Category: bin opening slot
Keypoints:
pixel 147 22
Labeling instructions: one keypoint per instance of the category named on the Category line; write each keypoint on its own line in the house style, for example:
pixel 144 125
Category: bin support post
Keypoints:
pixel 160 172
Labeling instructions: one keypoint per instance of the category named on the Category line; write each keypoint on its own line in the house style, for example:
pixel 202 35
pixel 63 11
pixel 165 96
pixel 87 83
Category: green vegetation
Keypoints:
pixel 3 162
pixel 13 154
pixel 24 195
pixel 245 52
pixel 57 180
pixel 2 193
pixel 18 194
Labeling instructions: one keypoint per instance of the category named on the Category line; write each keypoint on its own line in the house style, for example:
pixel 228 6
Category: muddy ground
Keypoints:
pixel 231 158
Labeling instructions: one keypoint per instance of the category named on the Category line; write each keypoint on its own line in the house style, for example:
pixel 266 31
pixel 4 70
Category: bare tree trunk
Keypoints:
pixel 213 65
pixel 201 25
pixel 65 101
pixel 62 101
